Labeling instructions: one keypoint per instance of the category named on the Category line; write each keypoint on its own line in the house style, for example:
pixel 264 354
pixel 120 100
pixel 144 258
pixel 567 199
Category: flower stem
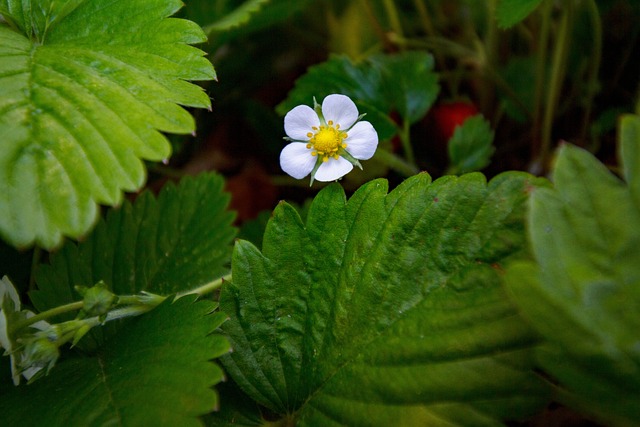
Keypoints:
pixel 405 138
pixel 396 163
pixel 541 77
pixel 206 288
pixel 596 57
pixel 74 306
pixel 394 19
pixel 558 71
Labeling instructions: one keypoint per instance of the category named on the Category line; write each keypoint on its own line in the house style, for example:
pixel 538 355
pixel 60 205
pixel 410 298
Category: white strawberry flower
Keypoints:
pixel 327 140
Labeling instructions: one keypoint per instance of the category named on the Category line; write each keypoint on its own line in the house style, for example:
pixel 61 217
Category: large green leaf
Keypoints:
pixel 583 295
pixel 510 12
pixel 387 309
pixel 155 371
pixel 85 89
pixel 173 243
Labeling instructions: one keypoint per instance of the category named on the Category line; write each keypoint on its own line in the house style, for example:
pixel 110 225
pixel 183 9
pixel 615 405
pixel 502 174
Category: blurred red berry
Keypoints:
pixel 447 116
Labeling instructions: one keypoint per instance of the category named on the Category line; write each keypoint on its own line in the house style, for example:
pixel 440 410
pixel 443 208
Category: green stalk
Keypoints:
pixel 490 48
pixel 206 288
pixel 394 19
pixel 74 306
pixel 396 163
pixel 541 77
pixel 558 71
pixel 377 28
pixel 405 138
pixel 596 58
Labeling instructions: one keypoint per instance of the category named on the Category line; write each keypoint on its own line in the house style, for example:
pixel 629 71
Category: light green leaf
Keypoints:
pixel 387 309
pixel 471 145
pixel 176 242
pixel 155 371
pixel 583 295
pixel 85 90
pixel 510 12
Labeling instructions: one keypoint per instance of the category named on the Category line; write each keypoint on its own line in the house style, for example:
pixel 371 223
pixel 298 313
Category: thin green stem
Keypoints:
pixel 206 288
pixel 377 28
pixel 396 163
pixel 596 58
pixel 74 306
pixel 487 92
pixel 541 77
pixel 558 71
pixel 394 18
pixel 405 138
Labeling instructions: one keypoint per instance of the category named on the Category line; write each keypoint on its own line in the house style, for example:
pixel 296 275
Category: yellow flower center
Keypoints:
pixel 326 141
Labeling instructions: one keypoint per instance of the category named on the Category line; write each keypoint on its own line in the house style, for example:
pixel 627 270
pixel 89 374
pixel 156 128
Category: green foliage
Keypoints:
pixel 85 89
pixel 387 309
pixel 379 85
pixel 173 243
pixel 471 145
pixel 510 12
pixel 155 371
pixel 410 84
pixel 583 294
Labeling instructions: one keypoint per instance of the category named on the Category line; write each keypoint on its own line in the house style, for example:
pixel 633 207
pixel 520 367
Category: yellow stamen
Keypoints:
pixel 327 141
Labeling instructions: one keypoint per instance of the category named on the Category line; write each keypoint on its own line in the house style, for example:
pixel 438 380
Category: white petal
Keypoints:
pixel 340 109
pixel 299 121
pixel 7 290
pixel 296 160
pixel 333 169
pixel 362 141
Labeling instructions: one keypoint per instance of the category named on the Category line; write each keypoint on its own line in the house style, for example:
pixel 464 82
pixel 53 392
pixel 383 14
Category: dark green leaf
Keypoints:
pixel 173 243
pixel 85 90
pixel 471 146
pixel 583 295
pixel 386 309
pixel 510 12
pixel 155 371
pixel 362 82
pixel 410 83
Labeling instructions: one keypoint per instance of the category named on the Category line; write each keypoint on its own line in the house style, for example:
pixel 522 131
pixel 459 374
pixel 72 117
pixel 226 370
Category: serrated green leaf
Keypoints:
pixel 83 97
pixel 583 295
pixel 471 145
pixel 176 242
pixel 155 371
pixel 510 12
pixel 386 309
